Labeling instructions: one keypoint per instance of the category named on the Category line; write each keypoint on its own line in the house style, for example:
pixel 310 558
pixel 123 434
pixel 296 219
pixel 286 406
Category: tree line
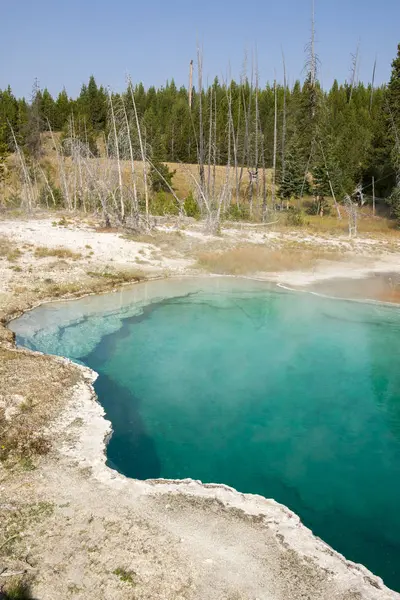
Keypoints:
pixel 324 142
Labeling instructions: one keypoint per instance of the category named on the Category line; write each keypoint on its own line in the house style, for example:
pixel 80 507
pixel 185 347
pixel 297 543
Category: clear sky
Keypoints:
pixel 62 42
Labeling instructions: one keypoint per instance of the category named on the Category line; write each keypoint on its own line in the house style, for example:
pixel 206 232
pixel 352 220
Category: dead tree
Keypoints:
pixel 210 141
pixel 134 203
pixel 330 183
pixel 372 86
pixel 117 156
pixel 200 150
pixel 190 84
pixel 142 150
pixel 256 143
pixel 352 214
pixel 30 193
pixel 275 145
pixel 353 73
pixel 283 166
pixel 61 168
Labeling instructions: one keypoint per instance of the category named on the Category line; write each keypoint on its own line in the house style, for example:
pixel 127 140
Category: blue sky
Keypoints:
pixel 62 42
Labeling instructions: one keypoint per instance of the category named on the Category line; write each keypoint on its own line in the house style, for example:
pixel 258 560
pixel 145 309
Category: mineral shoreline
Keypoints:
pixel 82 530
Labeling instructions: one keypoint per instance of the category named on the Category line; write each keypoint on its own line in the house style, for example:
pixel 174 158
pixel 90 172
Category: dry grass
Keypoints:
pixel 119 276
pixel 366 224
pixel 9 249
pixel 245 260
pixel 31 392
pixel 44 252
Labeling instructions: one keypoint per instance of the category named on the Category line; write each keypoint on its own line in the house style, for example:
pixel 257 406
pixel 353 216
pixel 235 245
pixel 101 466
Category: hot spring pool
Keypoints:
pixel 292 396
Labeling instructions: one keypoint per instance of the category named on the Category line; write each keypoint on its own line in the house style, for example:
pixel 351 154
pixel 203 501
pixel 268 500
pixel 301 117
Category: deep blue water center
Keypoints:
pixel 291 396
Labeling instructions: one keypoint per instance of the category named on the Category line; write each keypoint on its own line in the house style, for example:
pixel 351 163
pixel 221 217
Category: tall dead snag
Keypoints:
pixel 352 213
pixel 142 152
pixel 134 202
pixel 214 175
pixel 283 158
pixel 330 183
pixel 275 145
pixel 237 174
pixel 29 194
pixel 231 129
pixel 247 121
pixel 117 156
pixel 312 61
pixel 190 91
pixel 201 122
pixel 228 162
pixel 256 148
pixel 264 175
pixel 61 169
pixel 372 86
pixel 373 197
pixel 210 142
pixel 231 132
pixel 353 73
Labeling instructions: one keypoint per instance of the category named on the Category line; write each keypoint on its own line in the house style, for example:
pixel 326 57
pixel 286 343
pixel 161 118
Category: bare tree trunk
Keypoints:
pixel 142 152
pixel 81 191
pixel 128 131
pixel 313 65
pixel 306 173
pixel 247 113
pixel 49 188
pixel 372 87
pixel 25 172
pixel 116 144
pixel 283 167
pixel 256 153
pixel 201 131
pixel 190 91
pixel 210 135
pixel 237 176
pixel 228 164
pixel 74 153
pixel 214 175
pixel 63 176
pixel 231 129
pixel 354 71
pixel 275 146
pixel 330 183
pixel 373 196
pixel 313 61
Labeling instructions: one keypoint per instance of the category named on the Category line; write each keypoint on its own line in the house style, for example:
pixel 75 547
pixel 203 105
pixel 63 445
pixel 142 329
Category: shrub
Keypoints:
pixel 125 575
pixel 237 213
pixel 16 591
pixel 314 206
pixel 161 177
pixel 295 218
pixel 394 203
pixel 53 198
pixel 44 252
pixel 191 207
pixel 163 203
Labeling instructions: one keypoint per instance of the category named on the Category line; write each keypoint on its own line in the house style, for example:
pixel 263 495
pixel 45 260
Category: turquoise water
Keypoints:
pixel 291 396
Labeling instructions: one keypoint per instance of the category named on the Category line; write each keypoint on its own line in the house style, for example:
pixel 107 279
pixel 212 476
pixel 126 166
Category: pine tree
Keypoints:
pixel 47 110
pixel 62 110
pixel 92 103
pixel 8 118
pixel 393 98
pixel 393 94
pixel 292 184
pixel 34 124
pixel 3 150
